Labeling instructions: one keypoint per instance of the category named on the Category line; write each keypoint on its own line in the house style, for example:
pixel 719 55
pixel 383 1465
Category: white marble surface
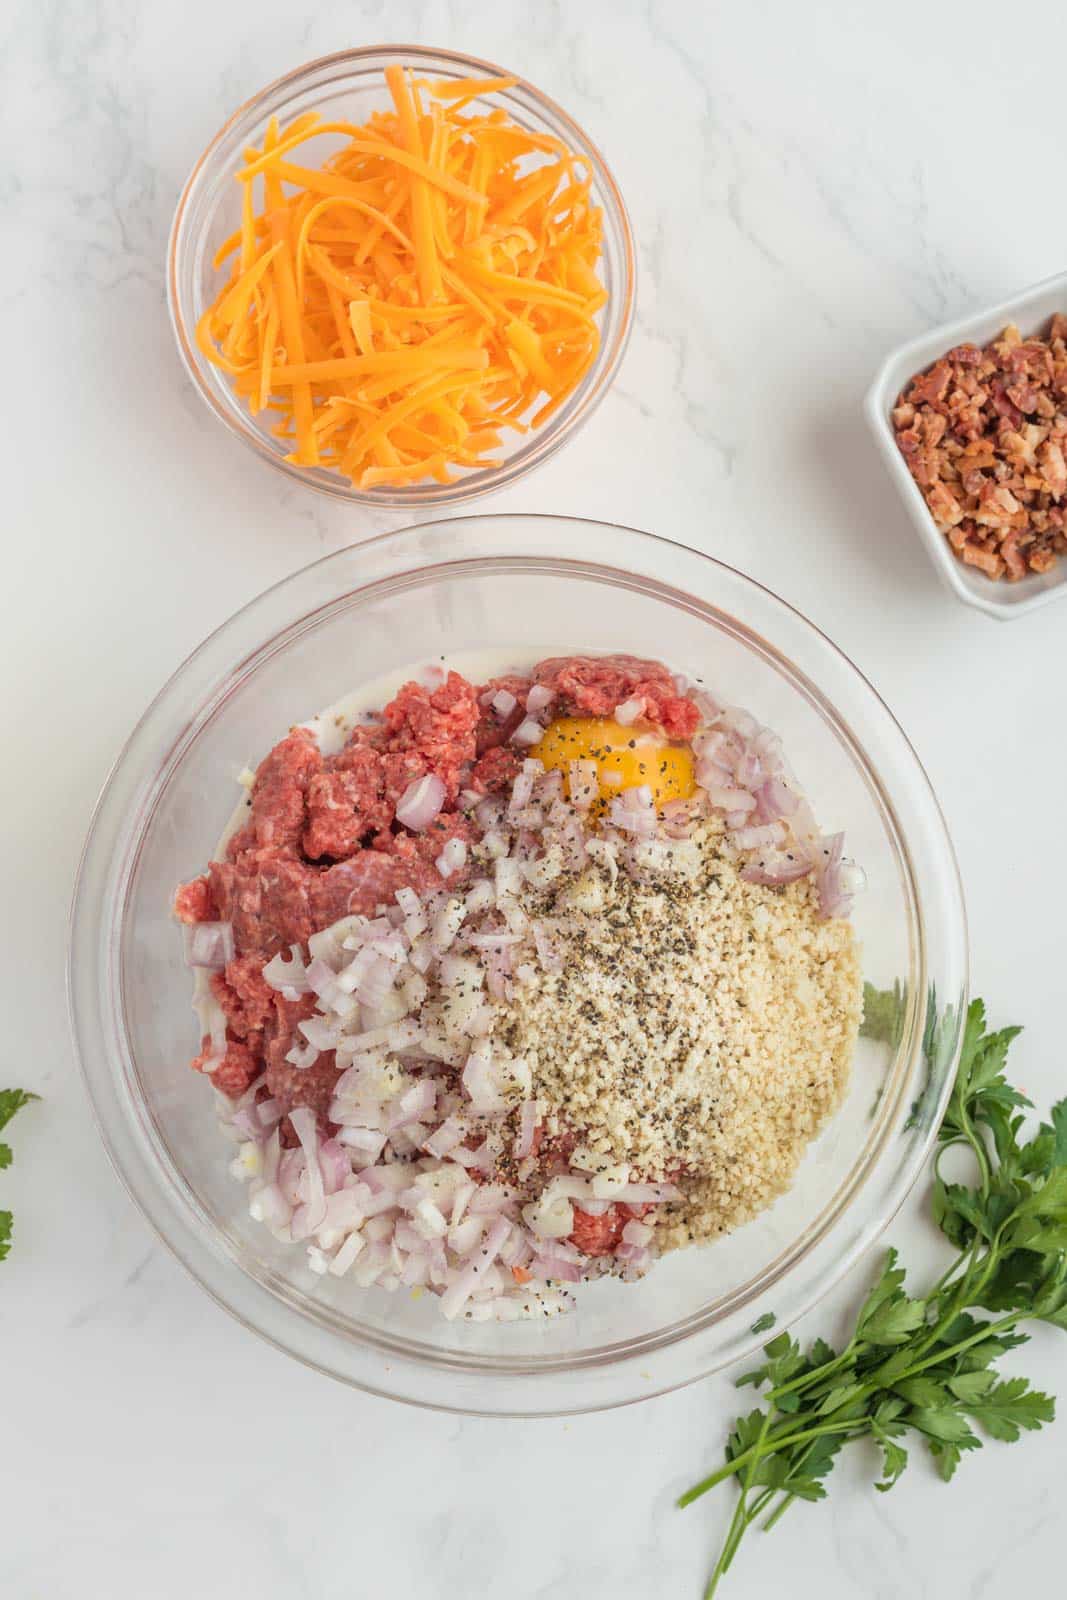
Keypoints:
pixel 809 184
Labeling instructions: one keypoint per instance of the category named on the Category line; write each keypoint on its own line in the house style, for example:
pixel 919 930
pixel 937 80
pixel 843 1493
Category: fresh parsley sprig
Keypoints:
pixel 11 1100
pixel 922 1367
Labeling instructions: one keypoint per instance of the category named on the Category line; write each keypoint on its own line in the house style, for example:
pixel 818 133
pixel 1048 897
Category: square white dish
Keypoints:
pixel 1030 310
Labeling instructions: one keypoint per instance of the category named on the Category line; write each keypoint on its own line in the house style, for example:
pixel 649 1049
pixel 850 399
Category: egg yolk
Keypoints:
pixel 625 758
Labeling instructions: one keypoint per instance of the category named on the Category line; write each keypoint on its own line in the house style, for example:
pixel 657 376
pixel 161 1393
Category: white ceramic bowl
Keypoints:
pixel 1030 311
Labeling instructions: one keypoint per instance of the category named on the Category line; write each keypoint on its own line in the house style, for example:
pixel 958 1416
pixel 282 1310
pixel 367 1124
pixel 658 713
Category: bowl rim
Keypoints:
pixel 605 1356
pixel 544 442
pixel 1003 601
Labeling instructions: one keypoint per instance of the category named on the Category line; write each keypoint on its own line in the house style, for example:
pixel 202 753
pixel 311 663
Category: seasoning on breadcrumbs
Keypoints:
pixel 701 1029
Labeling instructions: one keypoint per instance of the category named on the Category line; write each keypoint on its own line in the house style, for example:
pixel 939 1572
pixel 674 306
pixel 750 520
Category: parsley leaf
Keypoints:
pixel 11 1100
pixel 883 1014
pixel 1010 1407
pixel 1059 1132
pixel 894 1456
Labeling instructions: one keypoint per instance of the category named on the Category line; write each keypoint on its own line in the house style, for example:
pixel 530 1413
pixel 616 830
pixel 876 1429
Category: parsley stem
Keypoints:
pixel 814 1376
pixel 774 1442
pixel 761 1502
pixel 741 1518
pixel 986 1331
pixel 729 1549
pixel 977 1144
pixel 779 1511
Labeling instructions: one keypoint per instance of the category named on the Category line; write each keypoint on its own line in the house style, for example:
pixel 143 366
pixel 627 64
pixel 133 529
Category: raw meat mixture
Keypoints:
pixel 322 841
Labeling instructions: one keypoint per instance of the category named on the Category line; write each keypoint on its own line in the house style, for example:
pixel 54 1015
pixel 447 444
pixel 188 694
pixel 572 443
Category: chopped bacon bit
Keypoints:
pixel 984 434
pixel 1012 559
pixel 944 505
pixel 983 559
pixel 1053 468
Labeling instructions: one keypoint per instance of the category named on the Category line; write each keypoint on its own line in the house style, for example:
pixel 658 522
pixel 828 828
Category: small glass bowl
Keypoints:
pixel 349 86
pixel 528 587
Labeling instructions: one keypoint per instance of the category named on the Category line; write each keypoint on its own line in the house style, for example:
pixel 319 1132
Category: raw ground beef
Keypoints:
pixel 495 771
pixel 266 895
pixel 437 727
pixel 598 1236
pixel 321 842
pixel 237 1069
pixel 494 730
pixel 592 686
pixel 308 1086
pixel 195 902
pixel 346 803
pixel 321 839
pixel 245 996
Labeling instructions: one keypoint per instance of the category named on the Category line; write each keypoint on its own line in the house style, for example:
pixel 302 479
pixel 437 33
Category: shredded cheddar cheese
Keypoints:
pixel 431 285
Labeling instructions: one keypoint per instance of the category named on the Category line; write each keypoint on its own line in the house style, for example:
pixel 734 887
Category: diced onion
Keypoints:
pixel 452 857
pixel 853 879
pixel 528 732
pixel 302 1055
pixel 323 982
pixel 217 1032
pixel 636 1232
pixel 303 1122
pixel 444 1139
pixel 527 1128
pixel 324 1035
pixel 288 974
pixel 421 802
pixel 346 1255
pixel 584 783
pixel 630 710
pixel 758 838
pixel 459 1291
pixel 539 699
pixel 480 1083
pixel 366 1143
pixel 562 1271
pixel 730 799
pixel 208 945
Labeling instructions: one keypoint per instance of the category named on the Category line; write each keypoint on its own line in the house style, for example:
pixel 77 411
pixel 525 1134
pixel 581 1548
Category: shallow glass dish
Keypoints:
pixel 349 86
pixel 530 586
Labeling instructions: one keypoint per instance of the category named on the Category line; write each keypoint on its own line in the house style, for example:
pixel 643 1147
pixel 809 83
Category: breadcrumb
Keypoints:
pixel 700 1028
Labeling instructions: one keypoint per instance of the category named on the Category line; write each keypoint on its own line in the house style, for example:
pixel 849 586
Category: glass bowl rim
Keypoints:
pixel 418 569
pixel 544 442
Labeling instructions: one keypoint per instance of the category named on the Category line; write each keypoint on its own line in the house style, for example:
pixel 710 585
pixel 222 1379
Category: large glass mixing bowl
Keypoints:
pixel 529 586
